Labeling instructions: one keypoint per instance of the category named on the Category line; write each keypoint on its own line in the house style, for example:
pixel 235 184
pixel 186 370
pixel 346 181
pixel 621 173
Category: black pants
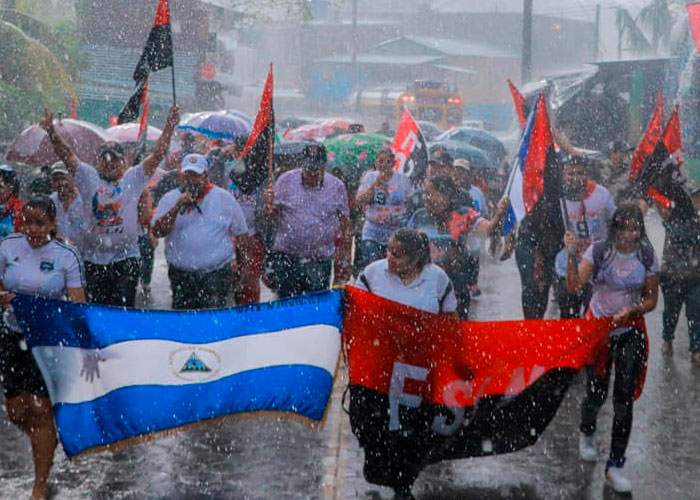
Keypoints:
pixel 113 284
pixel 193 290
pixel 534 298
pixel 147 259
pixel 627 351
pixel 290 275
pixel 571 306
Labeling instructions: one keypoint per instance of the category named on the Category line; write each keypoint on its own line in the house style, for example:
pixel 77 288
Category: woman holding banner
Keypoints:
pixel 34 262
pixel 407 276
pixel 624 272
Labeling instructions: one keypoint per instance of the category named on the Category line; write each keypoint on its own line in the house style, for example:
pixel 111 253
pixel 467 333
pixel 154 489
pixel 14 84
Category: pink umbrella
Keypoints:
pixel 34 148
pixel 317 130
pixel 128 132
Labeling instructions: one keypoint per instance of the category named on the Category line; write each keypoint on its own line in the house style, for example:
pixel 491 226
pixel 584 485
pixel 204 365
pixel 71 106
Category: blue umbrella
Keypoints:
pixel 217 125
pixel 478 138
pixel 457 149
pixel 246 118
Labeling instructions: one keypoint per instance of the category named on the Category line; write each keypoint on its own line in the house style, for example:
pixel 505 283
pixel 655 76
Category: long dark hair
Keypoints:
pixel 415 243
pixel 627 211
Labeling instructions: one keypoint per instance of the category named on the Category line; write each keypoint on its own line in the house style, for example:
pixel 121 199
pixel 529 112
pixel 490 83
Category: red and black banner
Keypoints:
pixel 261 142
pixel 410 149
pixel 157 54
pixel 648 141
pixel 426 388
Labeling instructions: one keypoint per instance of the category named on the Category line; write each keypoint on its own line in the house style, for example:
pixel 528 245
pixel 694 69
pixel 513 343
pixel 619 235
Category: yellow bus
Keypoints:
pixel 433 102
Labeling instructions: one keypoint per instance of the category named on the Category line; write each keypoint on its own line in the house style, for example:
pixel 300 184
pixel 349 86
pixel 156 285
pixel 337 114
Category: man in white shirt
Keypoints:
pixel 199 221
pixel 70 218
pixel 110 193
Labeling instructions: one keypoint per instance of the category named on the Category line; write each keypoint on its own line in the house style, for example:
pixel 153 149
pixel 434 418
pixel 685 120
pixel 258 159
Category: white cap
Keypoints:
pixel 195 163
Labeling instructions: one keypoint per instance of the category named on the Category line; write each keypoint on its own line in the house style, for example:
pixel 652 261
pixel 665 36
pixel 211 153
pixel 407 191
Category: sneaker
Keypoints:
pixel 587 448
pixel 617 481
pixel 667 348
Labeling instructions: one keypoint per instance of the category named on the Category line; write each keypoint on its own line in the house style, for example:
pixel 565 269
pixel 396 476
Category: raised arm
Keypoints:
pixel 162 144
pixel 576 275
pixel 490 226
pixel 62 150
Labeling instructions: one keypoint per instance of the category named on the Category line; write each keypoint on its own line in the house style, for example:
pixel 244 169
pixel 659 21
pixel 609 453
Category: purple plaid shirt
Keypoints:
pixel 308 217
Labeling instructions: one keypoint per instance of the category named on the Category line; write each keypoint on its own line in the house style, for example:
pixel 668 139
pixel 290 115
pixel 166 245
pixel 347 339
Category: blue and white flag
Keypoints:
pixel 115 374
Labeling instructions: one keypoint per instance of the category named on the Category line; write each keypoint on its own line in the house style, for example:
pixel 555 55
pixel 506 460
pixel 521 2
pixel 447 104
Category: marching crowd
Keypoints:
pixel 225 231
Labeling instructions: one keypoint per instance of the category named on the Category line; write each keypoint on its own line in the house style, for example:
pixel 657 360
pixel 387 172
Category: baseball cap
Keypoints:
pixel 619 146
pixel 195 163
pixel 313 157
pixel 58 168
pixel 111 147
pixel 462 163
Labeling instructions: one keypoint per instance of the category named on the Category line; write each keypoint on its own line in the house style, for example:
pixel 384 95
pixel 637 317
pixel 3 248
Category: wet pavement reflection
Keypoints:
pixel 281 458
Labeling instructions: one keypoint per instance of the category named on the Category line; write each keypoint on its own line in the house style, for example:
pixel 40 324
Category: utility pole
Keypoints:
pixel 526 57
pixel 355 42
pixel 596 33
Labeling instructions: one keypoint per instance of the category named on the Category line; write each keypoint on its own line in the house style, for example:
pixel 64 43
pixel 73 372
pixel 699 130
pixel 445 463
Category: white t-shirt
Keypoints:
pixel 388 209
pixel 589 220
pixel 202 241
pixel 480 204
pixel 619 283
pixel 71 223
pixel 47 270
pixel 111 213
pixel 425 293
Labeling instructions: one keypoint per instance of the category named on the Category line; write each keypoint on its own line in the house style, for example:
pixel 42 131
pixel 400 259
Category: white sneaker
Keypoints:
pixel 587 448
pixel 617 481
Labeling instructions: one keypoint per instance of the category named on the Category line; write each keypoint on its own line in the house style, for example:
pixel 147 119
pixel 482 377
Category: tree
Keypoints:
pixel 647 32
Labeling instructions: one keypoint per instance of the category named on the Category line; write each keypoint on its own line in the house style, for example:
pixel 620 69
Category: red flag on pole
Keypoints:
pixel 259 150
pixel 410 148
pixel 694 18
pixel 647 143
pixel 519 102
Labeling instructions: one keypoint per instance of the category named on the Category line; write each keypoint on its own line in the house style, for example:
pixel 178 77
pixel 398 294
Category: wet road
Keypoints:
pixel 280 458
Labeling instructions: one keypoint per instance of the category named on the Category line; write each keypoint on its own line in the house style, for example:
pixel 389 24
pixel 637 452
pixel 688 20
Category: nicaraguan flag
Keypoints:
pixel 115 374
pixel 529 164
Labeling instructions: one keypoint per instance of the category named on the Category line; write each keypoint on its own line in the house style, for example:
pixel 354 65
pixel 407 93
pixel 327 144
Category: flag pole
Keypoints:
pixel 271 148
pixel 172 66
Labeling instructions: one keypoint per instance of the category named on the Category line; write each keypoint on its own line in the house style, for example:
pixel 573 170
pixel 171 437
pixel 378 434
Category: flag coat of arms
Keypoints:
pixel 117 374
pixel 427 387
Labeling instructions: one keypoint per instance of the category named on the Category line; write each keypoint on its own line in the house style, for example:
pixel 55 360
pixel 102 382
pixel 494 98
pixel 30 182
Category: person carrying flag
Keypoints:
pixel 448 225
pixel 34 262
pixel 586 208
pixel 310 209
pixel 111 192
pixel 624 273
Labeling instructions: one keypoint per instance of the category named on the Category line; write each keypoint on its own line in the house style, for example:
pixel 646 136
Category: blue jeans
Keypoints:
pixel 676 293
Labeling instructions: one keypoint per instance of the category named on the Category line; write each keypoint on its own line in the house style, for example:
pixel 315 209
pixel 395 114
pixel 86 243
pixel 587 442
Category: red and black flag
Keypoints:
pixel 426 387
pixel 410 149
pixel 661 175
pixel 157 54
pixel 258 151
pixel 519 102
pixel 648 141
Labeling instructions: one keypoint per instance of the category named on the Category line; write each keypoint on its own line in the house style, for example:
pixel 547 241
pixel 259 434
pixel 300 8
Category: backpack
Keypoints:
pixel 604 253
